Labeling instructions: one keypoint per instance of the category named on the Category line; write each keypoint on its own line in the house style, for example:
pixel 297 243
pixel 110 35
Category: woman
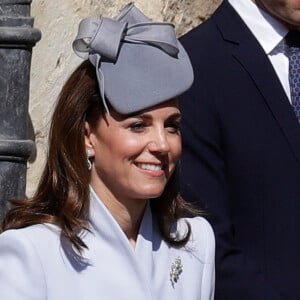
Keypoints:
pixel 105 222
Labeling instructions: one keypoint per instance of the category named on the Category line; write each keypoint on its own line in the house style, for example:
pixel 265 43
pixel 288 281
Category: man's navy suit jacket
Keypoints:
pixel 241 160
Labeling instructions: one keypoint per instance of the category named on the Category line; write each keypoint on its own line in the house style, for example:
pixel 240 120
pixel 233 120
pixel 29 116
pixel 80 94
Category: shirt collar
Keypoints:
pixel 268 31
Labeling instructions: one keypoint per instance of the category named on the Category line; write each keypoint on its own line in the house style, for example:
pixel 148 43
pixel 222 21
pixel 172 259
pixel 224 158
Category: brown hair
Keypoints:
pixel 62 196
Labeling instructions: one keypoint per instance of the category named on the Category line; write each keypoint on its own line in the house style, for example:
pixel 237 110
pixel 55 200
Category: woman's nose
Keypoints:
pixel 159 142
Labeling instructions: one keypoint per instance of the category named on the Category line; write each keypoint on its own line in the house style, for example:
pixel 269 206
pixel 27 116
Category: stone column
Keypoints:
pixel 17 37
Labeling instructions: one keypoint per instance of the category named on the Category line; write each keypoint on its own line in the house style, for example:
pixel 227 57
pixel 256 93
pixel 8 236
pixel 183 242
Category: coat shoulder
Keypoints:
pixel 21 254
pixel 37 238
pixel 202 239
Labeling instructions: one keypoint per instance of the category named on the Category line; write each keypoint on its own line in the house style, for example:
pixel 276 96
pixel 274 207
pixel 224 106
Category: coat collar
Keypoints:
pixel 268 31
pixel 138 261
pixel 104 225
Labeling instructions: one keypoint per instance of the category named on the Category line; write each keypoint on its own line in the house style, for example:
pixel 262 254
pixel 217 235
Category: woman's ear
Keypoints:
pixel 88 140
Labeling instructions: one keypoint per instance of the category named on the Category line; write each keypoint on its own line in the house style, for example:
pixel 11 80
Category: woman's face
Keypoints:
pixel 134 156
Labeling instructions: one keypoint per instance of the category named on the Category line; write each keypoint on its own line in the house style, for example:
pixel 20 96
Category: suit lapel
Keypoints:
pixel 253 59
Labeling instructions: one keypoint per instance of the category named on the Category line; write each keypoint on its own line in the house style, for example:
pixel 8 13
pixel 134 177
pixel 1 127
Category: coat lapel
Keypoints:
pixel 133 265
pixel 253 59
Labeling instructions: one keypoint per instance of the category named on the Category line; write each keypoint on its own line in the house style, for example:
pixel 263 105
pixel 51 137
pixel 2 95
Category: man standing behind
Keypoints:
pixel 241 136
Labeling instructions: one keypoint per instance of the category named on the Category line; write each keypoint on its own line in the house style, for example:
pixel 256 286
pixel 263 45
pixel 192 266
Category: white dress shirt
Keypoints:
pixel 36 263
pixel 270 33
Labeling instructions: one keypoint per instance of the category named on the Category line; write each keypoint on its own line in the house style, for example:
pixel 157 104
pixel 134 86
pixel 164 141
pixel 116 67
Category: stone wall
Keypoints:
pixel 53 59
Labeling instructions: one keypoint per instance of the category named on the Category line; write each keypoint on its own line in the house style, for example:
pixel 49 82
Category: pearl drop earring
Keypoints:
pixel 89 154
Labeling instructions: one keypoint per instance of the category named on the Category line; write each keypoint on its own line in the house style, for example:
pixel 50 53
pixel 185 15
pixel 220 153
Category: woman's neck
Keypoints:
pixel 128 219
pixel 128 213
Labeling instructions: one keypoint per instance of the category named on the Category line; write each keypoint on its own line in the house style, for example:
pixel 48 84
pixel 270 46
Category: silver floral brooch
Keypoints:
pixel 176 270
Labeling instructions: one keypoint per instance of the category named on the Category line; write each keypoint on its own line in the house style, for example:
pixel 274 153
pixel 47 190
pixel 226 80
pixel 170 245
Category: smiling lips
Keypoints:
pixel 157 168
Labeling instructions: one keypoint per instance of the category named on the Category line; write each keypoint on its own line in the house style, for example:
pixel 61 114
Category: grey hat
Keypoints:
pixel 139 63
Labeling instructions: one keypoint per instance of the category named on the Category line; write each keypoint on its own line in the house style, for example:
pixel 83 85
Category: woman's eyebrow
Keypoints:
pixel 150 117
pixel 140 116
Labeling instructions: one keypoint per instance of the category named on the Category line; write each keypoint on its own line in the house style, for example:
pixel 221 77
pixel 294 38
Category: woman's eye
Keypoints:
pixel 138 126
pixel 173 127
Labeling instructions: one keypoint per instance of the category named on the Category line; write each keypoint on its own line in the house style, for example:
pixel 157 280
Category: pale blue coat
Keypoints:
pixel 37 264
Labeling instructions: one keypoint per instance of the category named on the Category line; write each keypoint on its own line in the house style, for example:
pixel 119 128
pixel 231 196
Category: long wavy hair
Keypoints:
pixel 62 196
